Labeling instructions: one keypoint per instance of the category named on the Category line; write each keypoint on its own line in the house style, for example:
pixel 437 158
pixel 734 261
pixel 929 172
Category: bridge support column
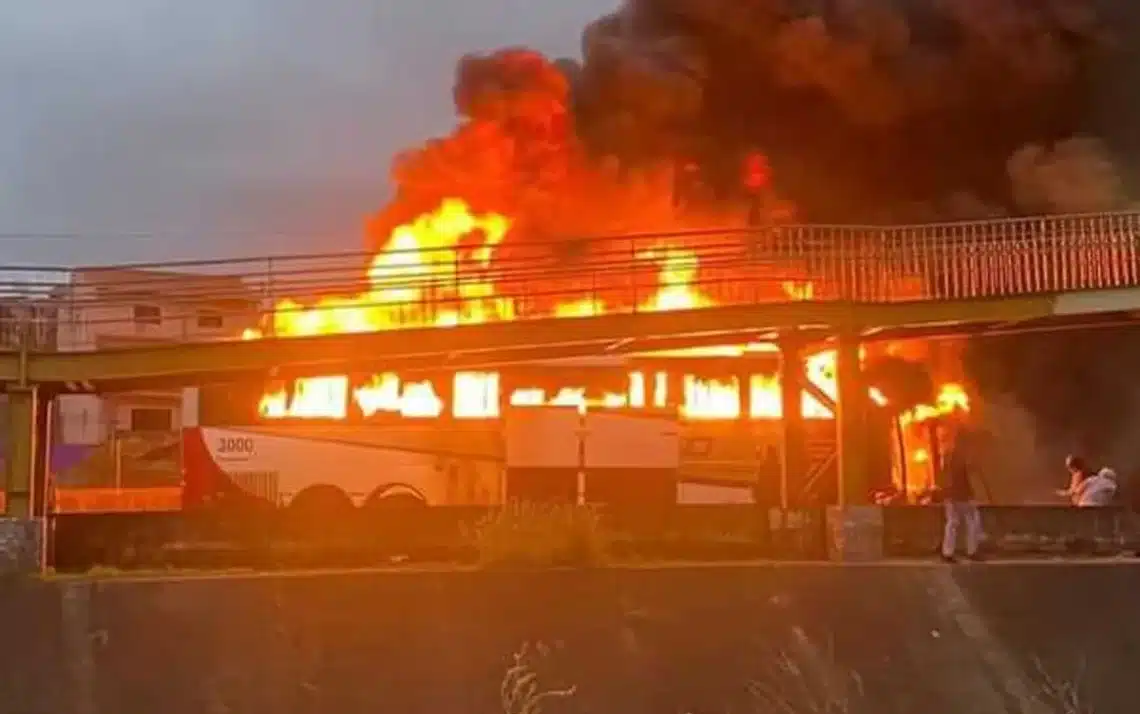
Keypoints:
pixel 506 389
pixel 793 462
pixel 851 423
pixel 444 385
pixel 744 389
pixel 855 527
pixel 21 531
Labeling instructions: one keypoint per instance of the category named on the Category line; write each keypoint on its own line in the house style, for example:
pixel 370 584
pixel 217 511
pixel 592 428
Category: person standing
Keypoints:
pixel 958 500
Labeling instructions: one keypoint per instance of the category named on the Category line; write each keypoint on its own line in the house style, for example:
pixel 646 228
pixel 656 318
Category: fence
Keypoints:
pixel 1014 530
pixel 626 273
pixel 272 539
pixel 268 538
pixel 111 500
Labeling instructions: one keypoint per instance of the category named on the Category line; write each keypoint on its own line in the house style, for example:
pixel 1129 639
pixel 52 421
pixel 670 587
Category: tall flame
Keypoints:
pixel 418 269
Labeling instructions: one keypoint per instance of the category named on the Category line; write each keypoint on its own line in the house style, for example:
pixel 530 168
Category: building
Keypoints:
pixel 24 322
pixel 114 308
pixel 30 322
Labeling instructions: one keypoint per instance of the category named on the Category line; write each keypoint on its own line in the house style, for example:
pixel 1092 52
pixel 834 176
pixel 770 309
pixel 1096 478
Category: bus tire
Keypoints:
pixel 319 503
pixel 394 496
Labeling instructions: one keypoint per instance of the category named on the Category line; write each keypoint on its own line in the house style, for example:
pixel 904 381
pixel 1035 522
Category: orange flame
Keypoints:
pixel 418 269
pixel 420 257
pixel 951 398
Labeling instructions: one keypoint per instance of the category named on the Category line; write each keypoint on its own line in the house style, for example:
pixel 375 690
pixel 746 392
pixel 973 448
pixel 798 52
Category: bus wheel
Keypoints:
pixel 389 498
pixel 320 507
pixel 393 517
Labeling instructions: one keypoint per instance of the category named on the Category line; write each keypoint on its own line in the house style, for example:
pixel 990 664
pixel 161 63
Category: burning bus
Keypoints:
pixel 638 430
pixel 536 454
pixel 695 424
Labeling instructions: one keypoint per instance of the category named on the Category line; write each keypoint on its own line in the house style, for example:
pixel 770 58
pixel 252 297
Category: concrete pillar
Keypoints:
pixel 851 423
pixel 444 386
pixel 794 437
pixel 744 389
pixel 28 436
pixel 21 531
pixel 675 389
pixel 507 387
pixel 191 405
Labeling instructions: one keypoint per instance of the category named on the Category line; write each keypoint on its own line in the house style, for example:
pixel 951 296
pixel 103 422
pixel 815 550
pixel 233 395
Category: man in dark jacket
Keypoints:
pixel 958 497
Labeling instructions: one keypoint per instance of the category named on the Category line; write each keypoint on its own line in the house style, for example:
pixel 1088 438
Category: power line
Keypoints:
pixel 164 235
pixel 324 235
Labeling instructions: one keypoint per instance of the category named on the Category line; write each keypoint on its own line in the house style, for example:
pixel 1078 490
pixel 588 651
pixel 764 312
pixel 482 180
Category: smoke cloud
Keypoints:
pixel 519 148
pixel 1074 176
pixel 864 109
pixel 854 110
pixel 1015 465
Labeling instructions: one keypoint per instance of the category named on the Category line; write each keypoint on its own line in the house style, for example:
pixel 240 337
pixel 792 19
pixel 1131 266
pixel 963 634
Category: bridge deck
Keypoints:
pixel 470 346
pixel 881 281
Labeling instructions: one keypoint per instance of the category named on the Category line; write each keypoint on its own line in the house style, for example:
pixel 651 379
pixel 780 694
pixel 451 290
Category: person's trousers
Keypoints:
pixel 958 513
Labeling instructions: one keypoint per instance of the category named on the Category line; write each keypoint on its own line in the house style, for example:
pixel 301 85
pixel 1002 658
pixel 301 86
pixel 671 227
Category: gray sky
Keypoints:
pixel 164 129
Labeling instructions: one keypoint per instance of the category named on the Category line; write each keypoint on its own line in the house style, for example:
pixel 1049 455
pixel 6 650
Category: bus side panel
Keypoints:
pixel 631 458
pixel 631 441
pixel 203 481
pixel 542 437
pixel 542 485
pixel 695 492
pixel 277 468
pixel 543 454
pixel 630 487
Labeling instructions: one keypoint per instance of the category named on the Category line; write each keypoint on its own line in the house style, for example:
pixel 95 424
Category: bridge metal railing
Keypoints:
pixel 80 309
pixel 1015 530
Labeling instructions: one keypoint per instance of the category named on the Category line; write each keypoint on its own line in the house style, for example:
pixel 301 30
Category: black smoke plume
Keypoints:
pixel 867 109
pixel 862 110
pixel 873 110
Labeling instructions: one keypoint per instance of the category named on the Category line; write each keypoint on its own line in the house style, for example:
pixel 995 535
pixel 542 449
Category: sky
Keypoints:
pixel 147 130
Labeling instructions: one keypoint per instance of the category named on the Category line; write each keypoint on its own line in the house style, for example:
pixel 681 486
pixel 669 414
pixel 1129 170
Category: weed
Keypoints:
pixel 536 535
pixel 793 688
pixel 1064 697
pixel 520 691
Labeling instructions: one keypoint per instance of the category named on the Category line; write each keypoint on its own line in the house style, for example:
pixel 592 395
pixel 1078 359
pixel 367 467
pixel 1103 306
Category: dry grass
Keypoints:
pixel 1062 696
pixel 532 535
pixel 521 691
pixel 808 682
pixel 803 683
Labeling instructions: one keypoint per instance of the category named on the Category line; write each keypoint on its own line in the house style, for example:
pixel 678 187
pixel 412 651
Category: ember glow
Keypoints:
pixel 418 270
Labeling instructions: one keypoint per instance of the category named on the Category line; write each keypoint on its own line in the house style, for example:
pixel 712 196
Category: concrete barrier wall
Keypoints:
pixel 885 638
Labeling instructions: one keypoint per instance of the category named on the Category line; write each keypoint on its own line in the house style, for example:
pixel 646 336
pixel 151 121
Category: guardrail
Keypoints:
pixel 111 500
pixel 275 539
pixel 709 533
pixel 1018 530
pixel 210 300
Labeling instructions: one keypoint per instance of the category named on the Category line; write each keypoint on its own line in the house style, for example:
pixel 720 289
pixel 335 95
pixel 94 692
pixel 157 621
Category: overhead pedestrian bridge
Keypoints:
pixel 631 294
